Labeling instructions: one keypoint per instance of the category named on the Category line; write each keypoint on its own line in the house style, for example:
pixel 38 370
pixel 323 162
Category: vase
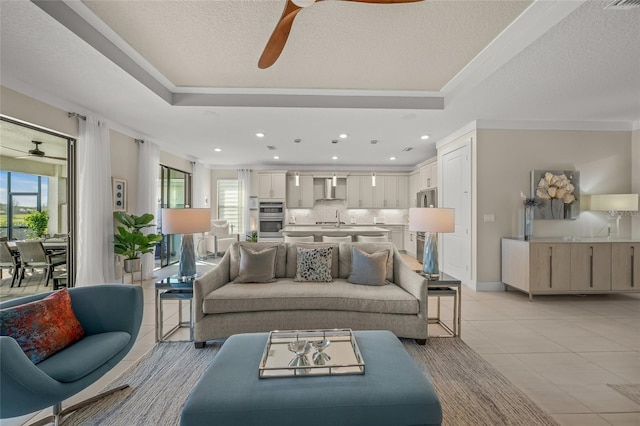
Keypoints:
pixel 557 208
pixel 528 223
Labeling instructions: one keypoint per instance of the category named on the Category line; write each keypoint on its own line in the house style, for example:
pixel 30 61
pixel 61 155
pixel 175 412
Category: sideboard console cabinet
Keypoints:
pixel 556 266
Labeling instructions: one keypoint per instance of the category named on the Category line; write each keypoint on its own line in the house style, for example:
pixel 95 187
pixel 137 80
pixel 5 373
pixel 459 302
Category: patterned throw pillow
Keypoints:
pixel 314 264
pixel 43 327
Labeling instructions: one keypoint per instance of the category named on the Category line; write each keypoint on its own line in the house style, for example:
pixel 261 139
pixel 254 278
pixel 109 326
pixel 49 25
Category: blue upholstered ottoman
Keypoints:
pixel 393 390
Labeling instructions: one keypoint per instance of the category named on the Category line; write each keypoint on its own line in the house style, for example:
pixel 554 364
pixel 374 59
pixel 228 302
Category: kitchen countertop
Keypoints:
pixel 331 229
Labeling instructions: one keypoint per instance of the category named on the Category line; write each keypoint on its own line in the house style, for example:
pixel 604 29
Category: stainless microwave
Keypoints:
pixel 427 198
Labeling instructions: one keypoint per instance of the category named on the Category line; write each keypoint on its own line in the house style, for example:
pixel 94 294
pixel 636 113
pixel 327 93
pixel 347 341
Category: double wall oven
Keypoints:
pixel 271 219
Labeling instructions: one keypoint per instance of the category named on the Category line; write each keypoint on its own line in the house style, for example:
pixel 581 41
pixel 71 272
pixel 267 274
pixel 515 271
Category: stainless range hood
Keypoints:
pixel 329 190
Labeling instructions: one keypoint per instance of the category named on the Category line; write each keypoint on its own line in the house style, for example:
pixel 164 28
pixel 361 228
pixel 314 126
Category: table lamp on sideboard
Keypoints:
pixel 615 205
pixel 431 221
pixel 186 222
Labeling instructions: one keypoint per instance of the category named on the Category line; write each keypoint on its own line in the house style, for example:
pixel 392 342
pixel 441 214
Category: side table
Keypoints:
pixel 446 286
pixel 173 288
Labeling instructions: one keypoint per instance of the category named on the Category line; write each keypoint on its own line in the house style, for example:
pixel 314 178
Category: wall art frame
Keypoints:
pixel 560 192
pixel 119 192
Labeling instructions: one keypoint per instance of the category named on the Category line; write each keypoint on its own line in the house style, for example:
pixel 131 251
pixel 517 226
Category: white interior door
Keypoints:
pixel 455 250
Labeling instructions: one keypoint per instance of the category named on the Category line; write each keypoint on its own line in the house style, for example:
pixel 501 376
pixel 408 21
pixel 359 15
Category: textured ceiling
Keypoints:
pixel 332 45
pixel 560 64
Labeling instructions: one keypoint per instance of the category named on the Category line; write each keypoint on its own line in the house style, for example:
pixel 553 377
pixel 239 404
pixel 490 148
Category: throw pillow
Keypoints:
pixel 314 264
pixel 368 269
pixel 42 327
pixel 257 266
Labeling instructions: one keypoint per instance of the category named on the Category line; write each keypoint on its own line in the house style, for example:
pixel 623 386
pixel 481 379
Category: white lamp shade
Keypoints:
pixel 617 202
pixel 430 219
pixel 185 221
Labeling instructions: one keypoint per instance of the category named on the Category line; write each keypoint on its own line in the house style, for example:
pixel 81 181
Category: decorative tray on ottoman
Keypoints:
pixel 294 353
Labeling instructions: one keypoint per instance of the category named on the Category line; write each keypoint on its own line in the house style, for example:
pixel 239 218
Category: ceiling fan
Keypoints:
pixel 37 152
pixel 281 32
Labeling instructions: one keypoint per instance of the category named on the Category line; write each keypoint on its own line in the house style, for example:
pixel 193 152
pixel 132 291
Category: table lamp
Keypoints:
pixel 431 220
pixel 186 222
pixel 615 205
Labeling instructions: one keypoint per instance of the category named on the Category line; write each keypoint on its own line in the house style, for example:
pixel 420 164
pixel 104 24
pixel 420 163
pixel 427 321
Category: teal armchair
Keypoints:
pixel 110 315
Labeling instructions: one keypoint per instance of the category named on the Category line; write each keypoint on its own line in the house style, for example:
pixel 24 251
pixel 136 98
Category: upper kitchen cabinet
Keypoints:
pixel 272 185
pixel 359 192
pixel 429 176
pixel 414 188
pixel 300 196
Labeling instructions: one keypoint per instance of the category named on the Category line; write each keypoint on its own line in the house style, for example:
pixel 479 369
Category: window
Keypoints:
pixel 229 206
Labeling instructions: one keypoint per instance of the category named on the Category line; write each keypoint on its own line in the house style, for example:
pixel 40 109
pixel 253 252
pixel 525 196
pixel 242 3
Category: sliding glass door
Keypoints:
pixel 174 187
pixel 37 175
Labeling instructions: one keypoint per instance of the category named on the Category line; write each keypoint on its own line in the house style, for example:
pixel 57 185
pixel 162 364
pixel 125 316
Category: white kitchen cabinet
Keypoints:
pixel 272 186
pixel 300 196
pixel 429 176
pixel 359 192
pixel 410 242
pixel 391 192
pixel 414 188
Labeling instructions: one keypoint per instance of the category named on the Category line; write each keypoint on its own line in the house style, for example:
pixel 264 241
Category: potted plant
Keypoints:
pixel 37 223
pixel 130 242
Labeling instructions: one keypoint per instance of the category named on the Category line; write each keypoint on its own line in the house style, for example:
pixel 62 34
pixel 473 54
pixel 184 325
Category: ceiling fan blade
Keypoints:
pixel 55 158
pixel 278 38
pixel 13 149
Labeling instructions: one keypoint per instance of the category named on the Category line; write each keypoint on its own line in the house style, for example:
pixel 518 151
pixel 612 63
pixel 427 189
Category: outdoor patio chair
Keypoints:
pixel 8 260
pixel 34 255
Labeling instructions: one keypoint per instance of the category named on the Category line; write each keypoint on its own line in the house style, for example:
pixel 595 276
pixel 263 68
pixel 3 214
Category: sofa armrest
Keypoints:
pixel 411 282
pixel 213 279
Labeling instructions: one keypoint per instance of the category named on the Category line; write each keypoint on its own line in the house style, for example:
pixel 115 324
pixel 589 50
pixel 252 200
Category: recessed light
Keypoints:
pixel 334 157
pixel 260 135
pixel 424 137
pixel 276 157
pixel 217 149
pixel 392 158
pixel 343 135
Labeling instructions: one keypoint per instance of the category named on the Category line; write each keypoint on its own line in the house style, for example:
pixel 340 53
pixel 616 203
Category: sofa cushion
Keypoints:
pixel 287 295
pixel 292 257
pixel 84 357
pixel 257 266
pixel 281 257
pixel 345 256
pixel 314 265
pixel 42 327
pixel 368 269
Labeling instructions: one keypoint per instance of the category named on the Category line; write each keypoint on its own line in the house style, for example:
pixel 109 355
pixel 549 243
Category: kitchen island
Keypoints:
pixel 331 230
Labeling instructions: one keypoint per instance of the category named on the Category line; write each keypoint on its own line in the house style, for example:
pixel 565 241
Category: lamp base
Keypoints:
pixel 187 266
pixel 430 259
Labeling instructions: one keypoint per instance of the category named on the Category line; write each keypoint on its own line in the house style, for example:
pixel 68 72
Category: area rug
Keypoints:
pixel 471 391
pixel 630 391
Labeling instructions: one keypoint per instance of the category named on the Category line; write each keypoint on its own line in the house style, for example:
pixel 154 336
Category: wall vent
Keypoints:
pixel 623 4
pixel 271 147
pixel 407 149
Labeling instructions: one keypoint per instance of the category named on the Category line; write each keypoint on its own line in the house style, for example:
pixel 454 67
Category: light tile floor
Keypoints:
pixel 562 351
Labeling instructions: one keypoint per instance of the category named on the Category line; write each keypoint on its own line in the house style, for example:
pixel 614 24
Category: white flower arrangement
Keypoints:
pixel 555 187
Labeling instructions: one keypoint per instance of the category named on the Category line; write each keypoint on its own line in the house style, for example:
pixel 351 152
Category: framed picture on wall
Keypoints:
pixel 119 195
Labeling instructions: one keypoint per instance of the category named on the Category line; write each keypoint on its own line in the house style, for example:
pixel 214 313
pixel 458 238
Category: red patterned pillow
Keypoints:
pixel 43 327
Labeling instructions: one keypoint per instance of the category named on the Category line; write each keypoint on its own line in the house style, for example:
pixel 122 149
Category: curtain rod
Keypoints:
pixel 138 140
pixel 75 114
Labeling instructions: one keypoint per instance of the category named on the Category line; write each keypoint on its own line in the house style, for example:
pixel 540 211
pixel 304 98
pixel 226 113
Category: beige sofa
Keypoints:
pixel 223 308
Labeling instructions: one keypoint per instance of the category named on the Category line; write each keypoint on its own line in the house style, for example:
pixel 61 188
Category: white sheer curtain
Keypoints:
pixel 148 166
pixel 244 178
pixel 95 259
pixel 199 199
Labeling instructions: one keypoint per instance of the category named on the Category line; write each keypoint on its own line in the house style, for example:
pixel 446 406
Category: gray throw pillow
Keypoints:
pixel 368 269
pixel 314 264
pixel 257 266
